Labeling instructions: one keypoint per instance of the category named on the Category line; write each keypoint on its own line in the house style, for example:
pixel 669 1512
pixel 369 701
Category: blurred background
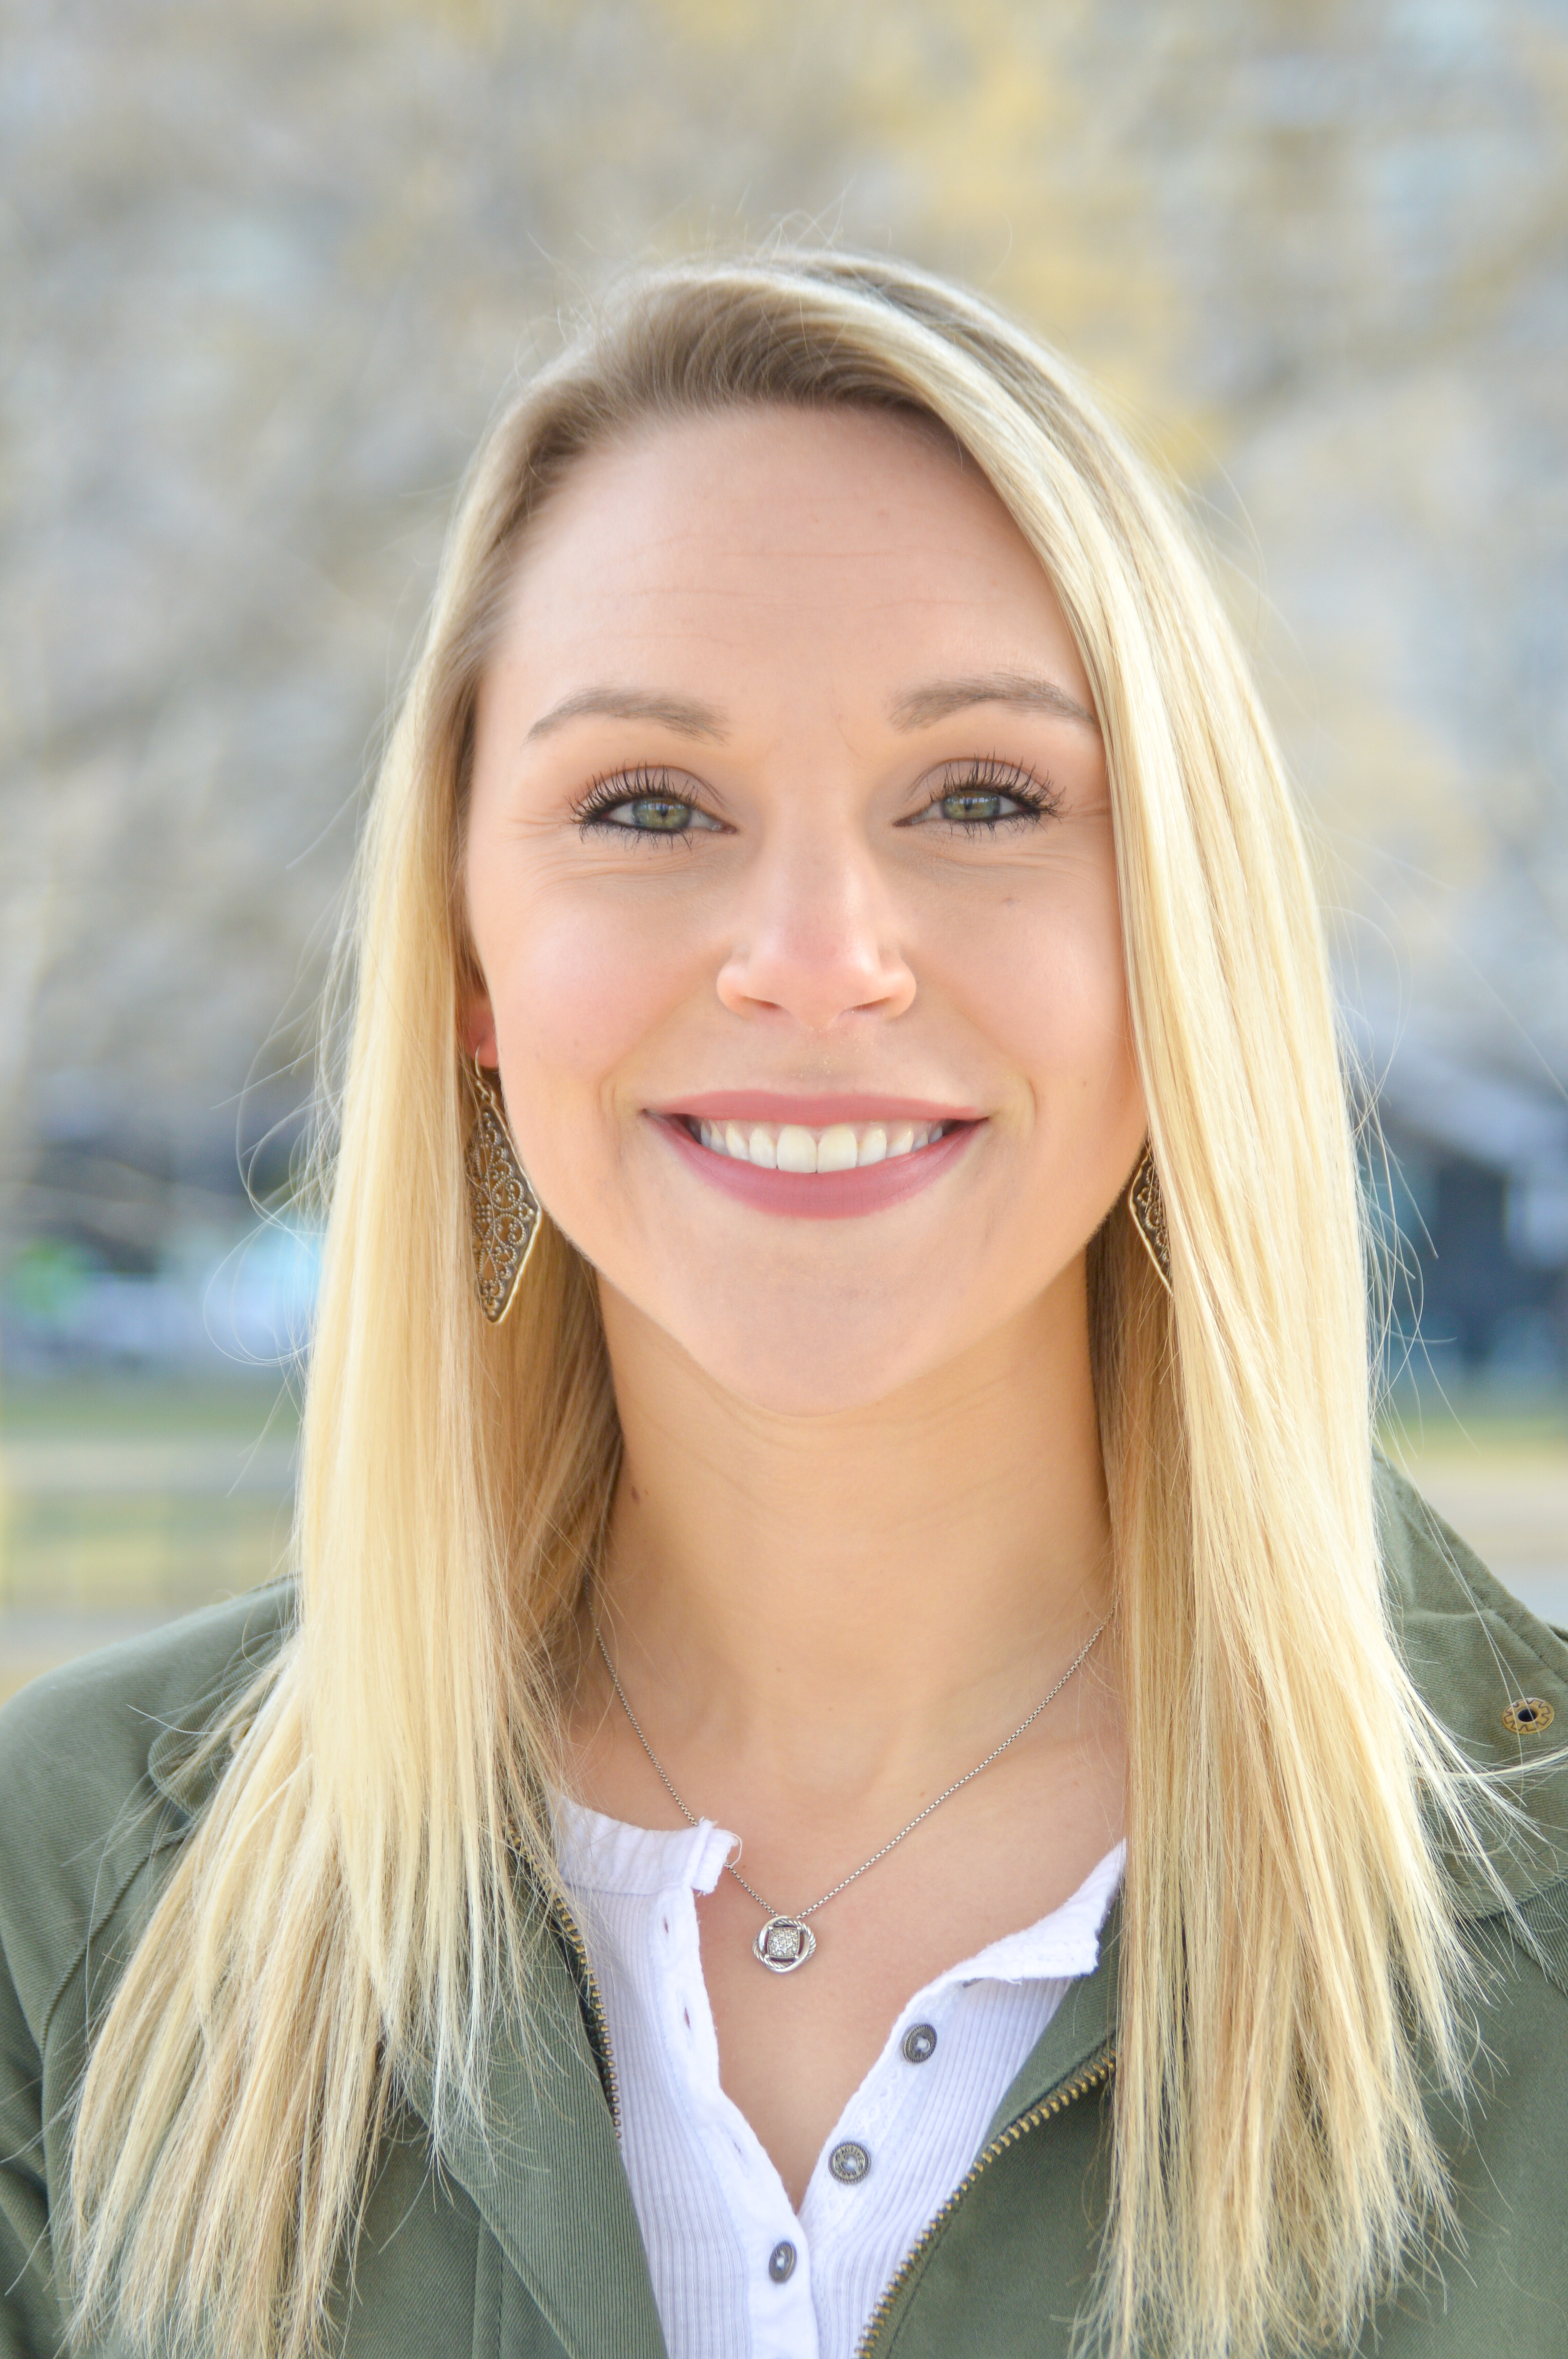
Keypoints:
pixel 265 268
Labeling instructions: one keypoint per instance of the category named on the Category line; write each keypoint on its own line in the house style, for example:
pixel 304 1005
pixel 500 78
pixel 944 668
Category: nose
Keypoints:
pixel 816 937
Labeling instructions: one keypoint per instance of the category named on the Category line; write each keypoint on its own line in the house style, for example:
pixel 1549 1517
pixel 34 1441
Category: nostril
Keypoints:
pixel 817 973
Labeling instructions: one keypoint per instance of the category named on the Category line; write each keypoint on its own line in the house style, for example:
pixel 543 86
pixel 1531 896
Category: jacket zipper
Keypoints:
pixel 599 2029
pixel 1093 2076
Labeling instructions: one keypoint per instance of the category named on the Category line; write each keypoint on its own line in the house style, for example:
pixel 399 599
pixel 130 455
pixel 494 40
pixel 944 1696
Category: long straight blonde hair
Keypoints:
pixel 346 1908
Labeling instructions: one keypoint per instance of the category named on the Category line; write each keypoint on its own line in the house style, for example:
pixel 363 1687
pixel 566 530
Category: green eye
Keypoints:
pixel 973 803
pixel 658 814
pixel 651 815
pixel 641 803
pixel 986 800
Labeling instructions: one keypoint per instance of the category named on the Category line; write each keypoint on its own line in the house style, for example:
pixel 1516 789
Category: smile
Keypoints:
pixel 821 1170
pixel 838 1147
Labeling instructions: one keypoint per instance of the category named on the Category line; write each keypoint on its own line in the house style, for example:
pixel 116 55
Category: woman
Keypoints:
pixel 861 1758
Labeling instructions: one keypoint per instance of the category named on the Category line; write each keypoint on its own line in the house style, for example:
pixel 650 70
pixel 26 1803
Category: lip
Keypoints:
pixel 814 1112
pixel 817 1195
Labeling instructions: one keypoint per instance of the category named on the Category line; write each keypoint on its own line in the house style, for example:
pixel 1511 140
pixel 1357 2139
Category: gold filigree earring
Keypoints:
pixel 1147 1207
pixel 503 1206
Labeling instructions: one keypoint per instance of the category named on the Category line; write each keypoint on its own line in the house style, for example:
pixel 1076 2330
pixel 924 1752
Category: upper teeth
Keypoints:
pixel 791 1147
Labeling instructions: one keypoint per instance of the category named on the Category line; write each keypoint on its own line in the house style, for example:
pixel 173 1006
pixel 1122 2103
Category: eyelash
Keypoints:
pixel 607 793
pixel 1035 797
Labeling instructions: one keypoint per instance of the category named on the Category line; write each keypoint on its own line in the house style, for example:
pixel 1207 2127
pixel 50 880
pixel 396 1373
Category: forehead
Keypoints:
pixel 731 458
pixel 783 518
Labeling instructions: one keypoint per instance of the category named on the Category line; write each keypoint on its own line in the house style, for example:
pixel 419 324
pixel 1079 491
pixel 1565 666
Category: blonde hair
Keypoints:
pixel 347 1906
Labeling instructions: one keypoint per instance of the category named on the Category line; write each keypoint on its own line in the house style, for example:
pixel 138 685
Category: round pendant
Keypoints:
pixel 783 1944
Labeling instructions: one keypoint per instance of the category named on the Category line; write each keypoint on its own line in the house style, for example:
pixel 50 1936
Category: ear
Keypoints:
pixel 475 1030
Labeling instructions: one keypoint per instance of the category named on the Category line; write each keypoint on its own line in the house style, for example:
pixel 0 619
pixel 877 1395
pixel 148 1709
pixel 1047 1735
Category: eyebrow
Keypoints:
pixel 687 718
pixel 919 707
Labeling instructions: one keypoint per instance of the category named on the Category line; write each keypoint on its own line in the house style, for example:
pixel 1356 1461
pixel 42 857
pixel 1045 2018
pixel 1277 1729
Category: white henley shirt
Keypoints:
pixel 737 2274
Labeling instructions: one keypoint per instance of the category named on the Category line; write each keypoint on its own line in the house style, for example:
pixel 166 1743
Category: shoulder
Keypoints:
pixel 1496 1676
pixel 1476 1653
pixel 99 1768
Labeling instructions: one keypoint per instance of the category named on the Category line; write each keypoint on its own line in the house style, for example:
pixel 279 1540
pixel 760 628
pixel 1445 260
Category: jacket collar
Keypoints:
pixel 1474 1653
pixel 185 1761
pixel 1078 2035
pixel 543 2166
pixel 542 2161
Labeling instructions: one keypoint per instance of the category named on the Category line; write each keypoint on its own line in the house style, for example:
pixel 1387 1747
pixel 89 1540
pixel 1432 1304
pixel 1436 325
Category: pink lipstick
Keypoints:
pixel 817 1158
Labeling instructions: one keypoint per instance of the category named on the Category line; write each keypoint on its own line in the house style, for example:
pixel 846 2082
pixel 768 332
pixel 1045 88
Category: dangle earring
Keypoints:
pixel 1147 1207
pixel 503 1207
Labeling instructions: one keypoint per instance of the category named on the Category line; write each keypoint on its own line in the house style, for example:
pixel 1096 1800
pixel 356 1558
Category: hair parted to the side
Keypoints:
pixel 347 1910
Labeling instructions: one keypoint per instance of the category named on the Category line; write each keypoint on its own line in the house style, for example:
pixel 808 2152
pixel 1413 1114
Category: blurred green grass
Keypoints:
pixel 163 1551
pixel 125 1502
pixel 1486 1414
pixel 239 1405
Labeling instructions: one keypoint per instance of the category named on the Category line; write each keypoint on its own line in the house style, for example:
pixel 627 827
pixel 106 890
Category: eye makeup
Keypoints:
pixel 977 797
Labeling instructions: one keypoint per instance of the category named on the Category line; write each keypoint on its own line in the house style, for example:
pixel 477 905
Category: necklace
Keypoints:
pixel 785 1942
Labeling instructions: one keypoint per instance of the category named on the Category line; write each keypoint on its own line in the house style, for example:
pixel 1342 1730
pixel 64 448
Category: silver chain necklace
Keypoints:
pixel 785 1942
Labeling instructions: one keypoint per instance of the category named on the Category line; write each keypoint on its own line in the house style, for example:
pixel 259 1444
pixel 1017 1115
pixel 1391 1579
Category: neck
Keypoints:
pixel 884 1581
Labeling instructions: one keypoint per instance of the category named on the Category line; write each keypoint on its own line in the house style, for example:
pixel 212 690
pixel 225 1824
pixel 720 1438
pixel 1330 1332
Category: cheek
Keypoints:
pixel 1052 995
pixel 578 990
pixel 572 994
pixel 561 994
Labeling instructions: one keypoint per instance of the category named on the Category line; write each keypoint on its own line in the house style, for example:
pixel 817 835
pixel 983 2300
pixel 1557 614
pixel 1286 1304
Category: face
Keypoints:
pixel 790 874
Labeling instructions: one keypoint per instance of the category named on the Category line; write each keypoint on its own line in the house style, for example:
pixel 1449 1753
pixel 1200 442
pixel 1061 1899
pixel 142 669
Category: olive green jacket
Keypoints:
pixel 525 2244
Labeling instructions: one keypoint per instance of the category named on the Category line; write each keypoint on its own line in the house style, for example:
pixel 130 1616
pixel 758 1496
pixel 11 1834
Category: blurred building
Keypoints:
pixel 1477 1185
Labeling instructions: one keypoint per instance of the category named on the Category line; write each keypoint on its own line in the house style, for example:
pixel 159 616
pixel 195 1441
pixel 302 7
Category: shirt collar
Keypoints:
pixel 599 1855
pixel 602 1857
pixel 1060 1945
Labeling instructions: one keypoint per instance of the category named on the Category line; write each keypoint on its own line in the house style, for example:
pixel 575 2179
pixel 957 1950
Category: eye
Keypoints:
pixel 987 796
pixel 970 803
pixel 643 803
pixel 653 814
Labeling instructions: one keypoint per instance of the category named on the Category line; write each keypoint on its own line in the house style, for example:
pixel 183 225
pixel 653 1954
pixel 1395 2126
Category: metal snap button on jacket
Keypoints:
pixel 1527 1715
pixel 919 2042
pixel 780 2261
pixel 849 2162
